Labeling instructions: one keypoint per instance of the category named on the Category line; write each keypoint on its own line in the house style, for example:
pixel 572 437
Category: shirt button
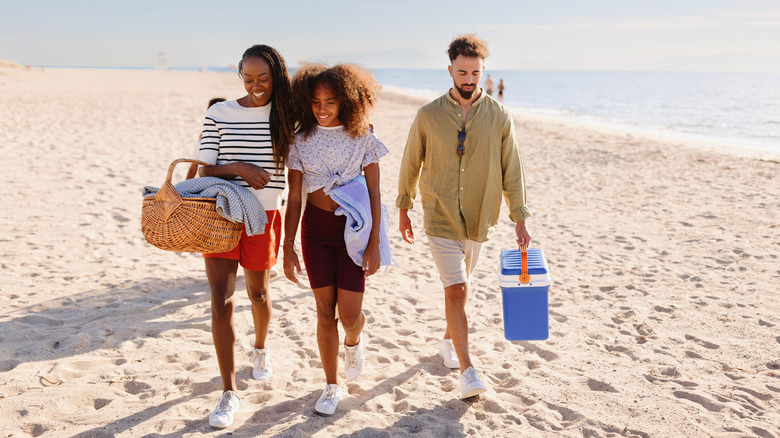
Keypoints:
pixel 462 170
pixel 461 188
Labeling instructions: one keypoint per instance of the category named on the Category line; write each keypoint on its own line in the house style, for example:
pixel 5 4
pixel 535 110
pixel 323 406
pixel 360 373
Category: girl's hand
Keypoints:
pixel 291 263
pixel 371 259
pixel 255 176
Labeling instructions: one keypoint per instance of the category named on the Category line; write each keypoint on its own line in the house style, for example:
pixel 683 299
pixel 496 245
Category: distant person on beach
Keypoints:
pixel 246 141
pixel 193 170
pixel 465 143
pixel 489 84
pixel 333 147
pixel 500 90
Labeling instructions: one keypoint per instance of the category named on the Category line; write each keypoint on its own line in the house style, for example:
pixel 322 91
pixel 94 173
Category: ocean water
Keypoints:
pixel 737 109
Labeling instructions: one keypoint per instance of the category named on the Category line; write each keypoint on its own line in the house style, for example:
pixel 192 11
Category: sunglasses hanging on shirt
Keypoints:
pixel 461 138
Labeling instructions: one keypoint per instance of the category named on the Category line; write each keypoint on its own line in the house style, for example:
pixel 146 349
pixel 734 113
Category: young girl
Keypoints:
pixel 247 141
pixel 333 147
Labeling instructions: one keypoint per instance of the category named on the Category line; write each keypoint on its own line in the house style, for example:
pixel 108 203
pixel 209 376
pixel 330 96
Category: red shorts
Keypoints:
pixel 257 253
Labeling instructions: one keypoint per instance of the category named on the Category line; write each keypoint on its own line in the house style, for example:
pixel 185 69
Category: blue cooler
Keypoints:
pixel 526 312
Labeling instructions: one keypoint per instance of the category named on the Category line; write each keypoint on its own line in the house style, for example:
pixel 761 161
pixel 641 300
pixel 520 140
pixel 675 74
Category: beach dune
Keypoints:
pixel 5 64
pixel 664 311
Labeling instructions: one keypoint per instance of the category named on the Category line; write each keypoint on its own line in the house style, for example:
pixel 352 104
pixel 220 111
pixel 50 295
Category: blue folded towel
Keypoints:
pixel 355 204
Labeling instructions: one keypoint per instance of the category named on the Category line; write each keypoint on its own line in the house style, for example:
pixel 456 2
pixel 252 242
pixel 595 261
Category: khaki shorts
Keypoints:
pixel 455 259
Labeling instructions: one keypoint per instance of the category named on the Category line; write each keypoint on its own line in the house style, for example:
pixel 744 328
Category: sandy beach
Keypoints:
pixel 664 304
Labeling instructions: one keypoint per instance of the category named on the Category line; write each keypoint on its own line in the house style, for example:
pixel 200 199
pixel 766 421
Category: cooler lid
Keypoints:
pixel 512 264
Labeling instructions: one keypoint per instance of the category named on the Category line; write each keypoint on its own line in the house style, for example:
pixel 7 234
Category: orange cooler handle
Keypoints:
pixel 524 277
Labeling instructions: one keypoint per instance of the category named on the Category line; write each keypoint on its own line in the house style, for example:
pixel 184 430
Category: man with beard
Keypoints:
pixel 465 144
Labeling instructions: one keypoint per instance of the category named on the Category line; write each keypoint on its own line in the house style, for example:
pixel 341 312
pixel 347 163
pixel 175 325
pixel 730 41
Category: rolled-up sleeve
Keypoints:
pixel 513 176
pixel 409 176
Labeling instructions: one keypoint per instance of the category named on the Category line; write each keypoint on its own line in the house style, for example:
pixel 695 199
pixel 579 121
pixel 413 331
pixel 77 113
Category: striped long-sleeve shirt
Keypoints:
pixel 233 133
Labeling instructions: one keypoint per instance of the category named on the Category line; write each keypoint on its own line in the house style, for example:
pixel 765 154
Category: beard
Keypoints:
pixel 465 94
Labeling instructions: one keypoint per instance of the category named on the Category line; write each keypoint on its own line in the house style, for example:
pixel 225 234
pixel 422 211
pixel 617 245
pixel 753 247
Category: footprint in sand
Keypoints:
pixel 447 384
pixel 621 349
pixel 558 317
pixel 544 354
pixel 400 394
pixel 703 343
pixel 401 406
pixel 100 403
pixel 35 429
pixel 135 387
pixel 261 398
pixel 693 355
pixel 700 400
pixel 755 394
pixel 663 309
pixel 494 407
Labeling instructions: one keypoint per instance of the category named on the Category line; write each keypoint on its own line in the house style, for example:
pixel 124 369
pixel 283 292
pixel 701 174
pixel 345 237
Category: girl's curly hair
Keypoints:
pixel 355 89
pixel 282 120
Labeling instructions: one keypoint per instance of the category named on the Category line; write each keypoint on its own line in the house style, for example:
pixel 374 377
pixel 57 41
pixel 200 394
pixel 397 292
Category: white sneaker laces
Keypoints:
pixel 260 354
pixel 330 392
pixel 224 403
pixel 351 356
pixel 470 375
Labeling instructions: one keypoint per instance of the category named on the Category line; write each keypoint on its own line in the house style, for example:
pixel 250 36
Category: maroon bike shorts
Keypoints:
pixel 325 253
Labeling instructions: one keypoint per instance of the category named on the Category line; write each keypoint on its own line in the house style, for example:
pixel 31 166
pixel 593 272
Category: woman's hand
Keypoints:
pixel 255 176
pixel 371 259
pixel 291 263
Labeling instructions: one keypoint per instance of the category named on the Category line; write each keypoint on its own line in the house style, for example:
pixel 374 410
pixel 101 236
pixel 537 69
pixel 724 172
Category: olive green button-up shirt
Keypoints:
pixel 461 197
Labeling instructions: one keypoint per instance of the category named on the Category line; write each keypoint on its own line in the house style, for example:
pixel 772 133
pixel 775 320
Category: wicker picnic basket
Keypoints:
pixel 173 223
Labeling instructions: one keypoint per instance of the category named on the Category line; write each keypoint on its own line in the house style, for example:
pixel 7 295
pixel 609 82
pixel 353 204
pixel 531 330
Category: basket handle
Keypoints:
pixel 182 160
pixel 167 199
pixel 524 277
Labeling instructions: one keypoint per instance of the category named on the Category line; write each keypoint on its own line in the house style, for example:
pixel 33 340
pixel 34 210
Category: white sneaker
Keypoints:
pixel 470 385
pixel 222 416
pixel 448 353
pixel 354 357
pixel 329 400
pixel 263 369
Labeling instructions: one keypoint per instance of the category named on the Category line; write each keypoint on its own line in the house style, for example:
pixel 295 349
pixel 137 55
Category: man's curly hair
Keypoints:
pixel 355 89
pixel 470 46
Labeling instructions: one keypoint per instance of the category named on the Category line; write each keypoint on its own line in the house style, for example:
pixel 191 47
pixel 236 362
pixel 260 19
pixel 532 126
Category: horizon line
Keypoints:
pixel 232 68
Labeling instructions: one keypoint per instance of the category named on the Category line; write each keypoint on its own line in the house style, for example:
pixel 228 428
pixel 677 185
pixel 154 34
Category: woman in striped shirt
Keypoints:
pixel 246 141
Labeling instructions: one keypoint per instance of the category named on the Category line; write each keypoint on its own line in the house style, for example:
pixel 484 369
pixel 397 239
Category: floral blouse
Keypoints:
pixel 330 157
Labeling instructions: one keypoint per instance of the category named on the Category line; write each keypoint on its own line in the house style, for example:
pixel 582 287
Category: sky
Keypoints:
pixel 592 35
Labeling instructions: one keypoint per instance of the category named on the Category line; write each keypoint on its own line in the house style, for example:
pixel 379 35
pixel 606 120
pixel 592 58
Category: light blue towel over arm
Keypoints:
pixel 234 203
pixel 355 204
